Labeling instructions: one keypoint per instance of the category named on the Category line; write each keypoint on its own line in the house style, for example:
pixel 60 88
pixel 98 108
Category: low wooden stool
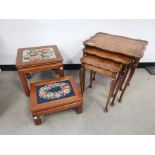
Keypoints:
pixel 54 95
pixel 37 59
pixel 106 67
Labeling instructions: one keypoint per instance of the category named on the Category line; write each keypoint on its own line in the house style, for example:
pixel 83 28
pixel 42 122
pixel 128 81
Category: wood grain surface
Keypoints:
pixel 117 44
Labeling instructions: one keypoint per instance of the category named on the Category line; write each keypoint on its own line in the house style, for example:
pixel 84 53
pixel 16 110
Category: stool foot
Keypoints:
pixel 79 109
pixel 37 120
pixel 61 71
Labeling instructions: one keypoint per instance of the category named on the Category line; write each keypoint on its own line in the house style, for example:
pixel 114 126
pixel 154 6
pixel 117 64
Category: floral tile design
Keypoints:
pixel 38 54
pixel 54 91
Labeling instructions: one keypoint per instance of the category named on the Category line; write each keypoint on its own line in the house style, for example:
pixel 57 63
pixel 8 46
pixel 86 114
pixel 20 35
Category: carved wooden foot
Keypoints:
pixel 79 109
pixel 37 120
pixel 61 71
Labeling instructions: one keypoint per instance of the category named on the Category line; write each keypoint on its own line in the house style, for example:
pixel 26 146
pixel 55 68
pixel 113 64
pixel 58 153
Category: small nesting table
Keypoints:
pixel 105 67
pixel 54 95
pixel 37 59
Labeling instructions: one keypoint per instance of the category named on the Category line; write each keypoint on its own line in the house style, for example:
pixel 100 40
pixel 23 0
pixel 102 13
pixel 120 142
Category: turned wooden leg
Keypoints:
pixel 94 73
pixel 61 71
pixel 91 75
pixel 37 120
pixel 115 85
pixel 118 86
pixel 82 79
pixel 126 73
pixel 28 75
pixel 80 109
pixel 126 84
pixel 112 88
pixel 23 79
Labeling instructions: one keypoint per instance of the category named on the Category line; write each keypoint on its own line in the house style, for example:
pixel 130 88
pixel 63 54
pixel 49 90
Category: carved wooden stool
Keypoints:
pixel 106 67
pixel 54 95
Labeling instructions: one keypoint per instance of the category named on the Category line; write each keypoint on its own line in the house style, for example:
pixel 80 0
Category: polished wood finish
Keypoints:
pixel 117 44
pixel 107 55
pixel 105 51
pixel 105 67
pixel 56 105
pixel 25 68
pixel 102 63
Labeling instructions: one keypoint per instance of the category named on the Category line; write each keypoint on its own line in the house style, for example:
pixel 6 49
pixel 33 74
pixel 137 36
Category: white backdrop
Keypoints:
pixel 68 35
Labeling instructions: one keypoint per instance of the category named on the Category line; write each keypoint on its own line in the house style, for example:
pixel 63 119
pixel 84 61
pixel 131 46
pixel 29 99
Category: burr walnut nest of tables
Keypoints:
pixel 54 95
pixel 118 50
pixel 37 59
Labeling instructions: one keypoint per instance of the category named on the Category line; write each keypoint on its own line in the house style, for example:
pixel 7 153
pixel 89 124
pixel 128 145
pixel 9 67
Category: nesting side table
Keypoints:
pixel 119 45
pixel 37 59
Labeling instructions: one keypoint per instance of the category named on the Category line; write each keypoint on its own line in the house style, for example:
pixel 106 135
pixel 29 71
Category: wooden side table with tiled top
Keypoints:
pixel 37 59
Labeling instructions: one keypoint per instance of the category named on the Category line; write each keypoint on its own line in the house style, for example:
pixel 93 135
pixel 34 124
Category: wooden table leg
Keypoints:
pixel 118 86
pixel 91 76
pixel 37 120
pixel 82 79
pixel 23 79
pixel 132 70
pixel 80 108
pixel 61 71
pixel 117 80
pixel 112 88
pixel 125 70
pixel 94 73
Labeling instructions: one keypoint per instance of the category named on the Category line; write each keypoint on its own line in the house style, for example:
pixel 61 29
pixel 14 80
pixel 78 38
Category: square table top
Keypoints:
pixel 117 44
pixel 53 93
pixel 34 56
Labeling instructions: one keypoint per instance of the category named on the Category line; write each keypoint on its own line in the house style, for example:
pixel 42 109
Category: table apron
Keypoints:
pixel 40 68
